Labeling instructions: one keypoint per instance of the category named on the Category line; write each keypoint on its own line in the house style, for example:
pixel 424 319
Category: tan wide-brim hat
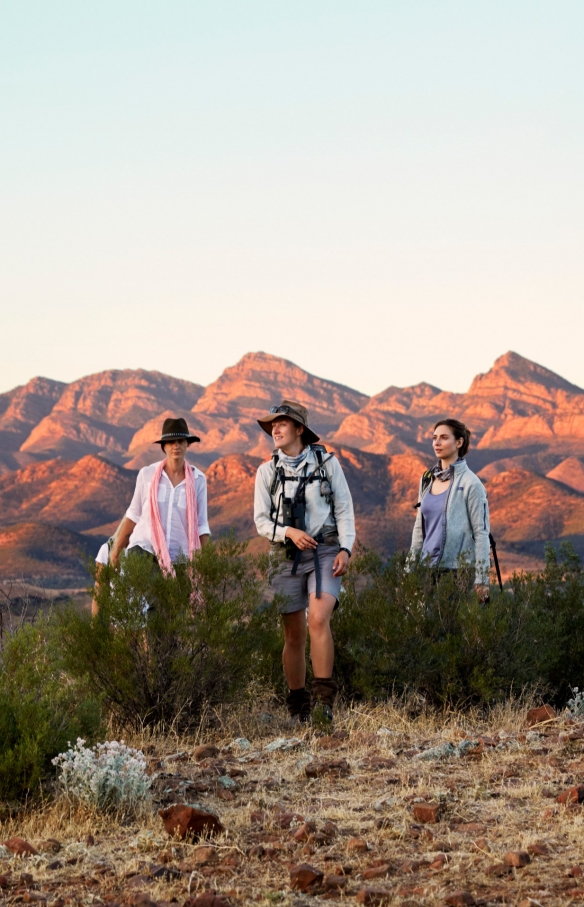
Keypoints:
pixel 292 410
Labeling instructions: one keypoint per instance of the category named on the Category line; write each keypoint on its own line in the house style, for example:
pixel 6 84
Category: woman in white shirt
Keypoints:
pixel 167 518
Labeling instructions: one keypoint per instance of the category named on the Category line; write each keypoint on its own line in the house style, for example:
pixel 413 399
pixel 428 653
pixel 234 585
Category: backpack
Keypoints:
pixel 426 482
pixel 319 474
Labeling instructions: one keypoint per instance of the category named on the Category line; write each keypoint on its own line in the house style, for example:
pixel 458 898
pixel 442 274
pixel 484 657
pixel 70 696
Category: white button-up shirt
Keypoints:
pixel 172 503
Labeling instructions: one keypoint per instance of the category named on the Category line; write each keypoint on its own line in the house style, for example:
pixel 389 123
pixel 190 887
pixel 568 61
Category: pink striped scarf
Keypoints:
pixel 158 538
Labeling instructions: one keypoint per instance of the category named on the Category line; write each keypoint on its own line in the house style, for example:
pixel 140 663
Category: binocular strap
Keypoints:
pixel 317 574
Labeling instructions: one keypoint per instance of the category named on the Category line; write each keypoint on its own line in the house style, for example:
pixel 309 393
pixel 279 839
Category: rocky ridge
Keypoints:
pixel 528 446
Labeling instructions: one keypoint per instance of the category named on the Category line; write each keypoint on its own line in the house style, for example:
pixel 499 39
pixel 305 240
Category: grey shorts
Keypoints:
pixel 297 588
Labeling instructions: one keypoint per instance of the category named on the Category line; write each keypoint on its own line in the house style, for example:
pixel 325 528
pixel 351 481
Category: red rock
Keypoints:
pixel 426 812
pixel 3 881
pixel 469 828
pixel 329 743
pixel 439 861
pixel 498 870
pixel 259 817
pixel 205 751
pixel 89 842
pixel 481 844
pixel 209 899
pixel 575 872
pixel 376 872
pixel 205 854
pixel 572 795
pixel 186 821
pixel 332 767
pixel 459 899
pixel 334 882
pixel 549 813
pixel 303 876
pixel 517 858
pixel 381 762
pixel 330 830
pixel 413 865
pixel 538 716
pixel 373 896
pixel 20 847
pixel 303 833
pixel 357 845
pixel 538 850
pixel 285 819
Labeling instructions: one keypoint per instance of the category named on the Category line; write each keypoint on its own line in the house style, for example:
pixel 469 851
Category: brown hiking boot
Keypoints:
pixel 298 703
pixel 324 691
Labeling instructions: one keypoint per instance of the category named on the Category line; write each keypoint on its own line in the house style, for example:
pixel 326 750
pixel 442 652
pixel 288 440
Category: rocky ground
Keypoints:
pixel 386 809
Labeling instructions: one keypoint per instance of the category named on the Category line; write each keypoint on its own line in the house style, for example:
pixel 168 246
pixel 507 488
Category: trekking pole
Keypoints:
pixel 496 560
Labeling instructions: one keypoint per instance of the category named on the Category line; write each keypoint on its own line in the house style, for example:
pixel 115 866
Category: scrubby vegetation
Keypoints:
pixel 166 650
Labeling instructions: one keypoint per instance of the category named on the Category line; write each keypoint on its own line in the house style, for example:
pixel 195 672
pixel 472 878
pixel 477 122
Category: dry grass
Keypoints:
pixel 493 801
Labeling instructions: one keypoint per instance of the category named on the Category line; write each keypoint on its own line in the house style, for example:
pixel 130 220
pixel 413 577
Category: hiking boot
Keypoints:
pixel 324 691
pixel 298 703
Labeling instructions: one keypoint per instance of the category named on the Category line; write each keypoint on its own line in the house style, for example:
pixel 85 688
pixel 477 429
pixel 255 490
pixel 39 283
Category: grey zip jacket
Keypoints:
pixel 465 525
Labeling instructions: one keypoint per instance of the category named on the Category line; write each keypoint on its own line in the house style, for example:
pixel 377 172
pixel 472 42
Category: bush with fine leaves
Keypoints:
pixel 397 630
pixel 41 708
pixel 164 648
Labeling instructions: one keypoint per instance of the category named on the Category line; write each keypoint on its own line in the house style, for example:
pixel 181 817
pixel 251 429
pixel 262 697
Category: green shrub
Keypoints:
pixel 41 709
pixel 164 667
pixel 396 630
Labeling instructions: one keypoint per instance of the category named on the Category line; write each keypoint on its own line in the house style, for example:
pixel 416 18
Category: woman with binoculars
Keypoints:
pixel 304 506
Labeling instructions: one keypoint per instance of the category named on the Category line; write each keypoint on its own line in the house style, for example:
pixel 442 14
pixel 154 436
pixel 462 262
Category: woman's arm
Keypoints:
pixel 343 504
pixel 478 514
pixel 122 540
pixel 202 517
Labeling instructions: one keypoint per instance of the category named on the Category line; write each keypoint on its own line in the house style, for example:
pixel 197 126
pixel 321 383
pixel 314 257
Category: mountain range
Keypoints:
pixel 69 454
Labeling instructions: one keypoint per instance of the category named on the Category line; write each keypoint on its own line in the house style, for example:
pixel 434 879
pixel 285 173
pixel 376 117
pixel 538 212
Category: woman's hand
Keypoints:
pixel 482 592
pixel 341 564
pixel 301 539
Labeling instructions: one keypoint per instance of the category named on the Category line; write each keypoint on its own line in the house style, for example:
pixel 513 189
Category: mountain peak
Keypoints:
pixel 514 374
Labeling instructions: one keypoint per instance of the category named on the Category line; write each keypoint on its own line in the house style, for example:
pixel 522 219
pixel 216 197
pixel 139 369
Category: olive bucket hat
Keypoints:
pixel 292 410
pixel 175 430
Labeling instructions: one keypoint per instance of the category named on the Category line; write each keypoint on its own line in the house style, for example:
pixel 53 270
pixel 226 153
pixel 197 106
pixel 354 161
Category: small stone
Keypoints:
pixel 517 858
pixel 537 716
pixel 373 896
pixel 426 812
pixel 459 899
pixel 27 878
pixel 572 795
pixel 55 864
pixel 334 882
pixel 538 850
pixel 20 847
pixel 357 845
pixel 439 861
pixel 209 899
pixel 303 876
pixel 376 872
pixel 205 854
pixel 285 819
pixel 256 852
pixel 205 751
pixel 51 845
pixel 303 833
pixel 184 821
pixel 330 830
pixel 330 742
pixel 317 769
pixel 575 872
pixel 482 845
pixel 498 870
pixel 89 841
pixel 3 881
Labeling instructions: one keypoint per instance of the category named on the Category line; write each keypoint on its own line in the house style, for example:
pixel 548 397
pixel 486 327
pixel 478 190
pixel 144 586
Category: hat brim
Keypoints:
pixel 190 438
pixel 308 435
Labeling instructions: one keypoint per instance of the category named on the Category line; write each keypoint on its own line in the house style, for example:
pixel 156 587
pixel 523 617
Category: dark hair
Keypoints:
pixel 459 430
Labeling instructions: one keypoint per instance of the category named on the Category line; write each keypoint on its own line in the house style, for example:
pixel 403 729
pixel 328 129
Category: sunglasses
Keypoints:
pixel 285 411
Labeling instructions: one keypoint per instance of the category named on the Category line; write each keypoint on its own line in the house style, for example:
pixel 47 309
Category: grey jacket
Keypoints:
pixel 465 525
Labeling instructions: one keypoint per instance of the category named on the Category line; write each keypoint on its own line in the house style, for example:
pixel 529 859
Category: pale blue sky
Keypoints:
pixel 383 192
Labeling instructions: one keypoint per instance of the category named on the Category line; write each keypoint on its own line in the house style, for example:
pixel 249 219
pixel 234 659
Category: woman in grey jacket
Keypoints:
pixel 452 525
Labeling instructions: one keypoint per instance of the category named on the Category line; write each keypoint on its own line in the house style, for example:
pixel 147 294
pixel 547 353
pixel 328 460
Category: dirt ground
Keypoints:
pixel 388 809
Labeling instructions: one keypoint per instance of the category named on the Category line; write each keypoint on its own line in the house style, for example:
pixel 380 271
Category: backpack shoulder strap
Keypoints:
pixel 426 481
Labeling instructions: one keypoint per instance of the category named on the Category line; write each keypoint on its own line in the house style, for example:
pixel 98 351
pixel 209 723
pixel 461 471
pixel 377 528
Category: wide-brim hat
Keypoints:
pixel 291 410
pixel 175 430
